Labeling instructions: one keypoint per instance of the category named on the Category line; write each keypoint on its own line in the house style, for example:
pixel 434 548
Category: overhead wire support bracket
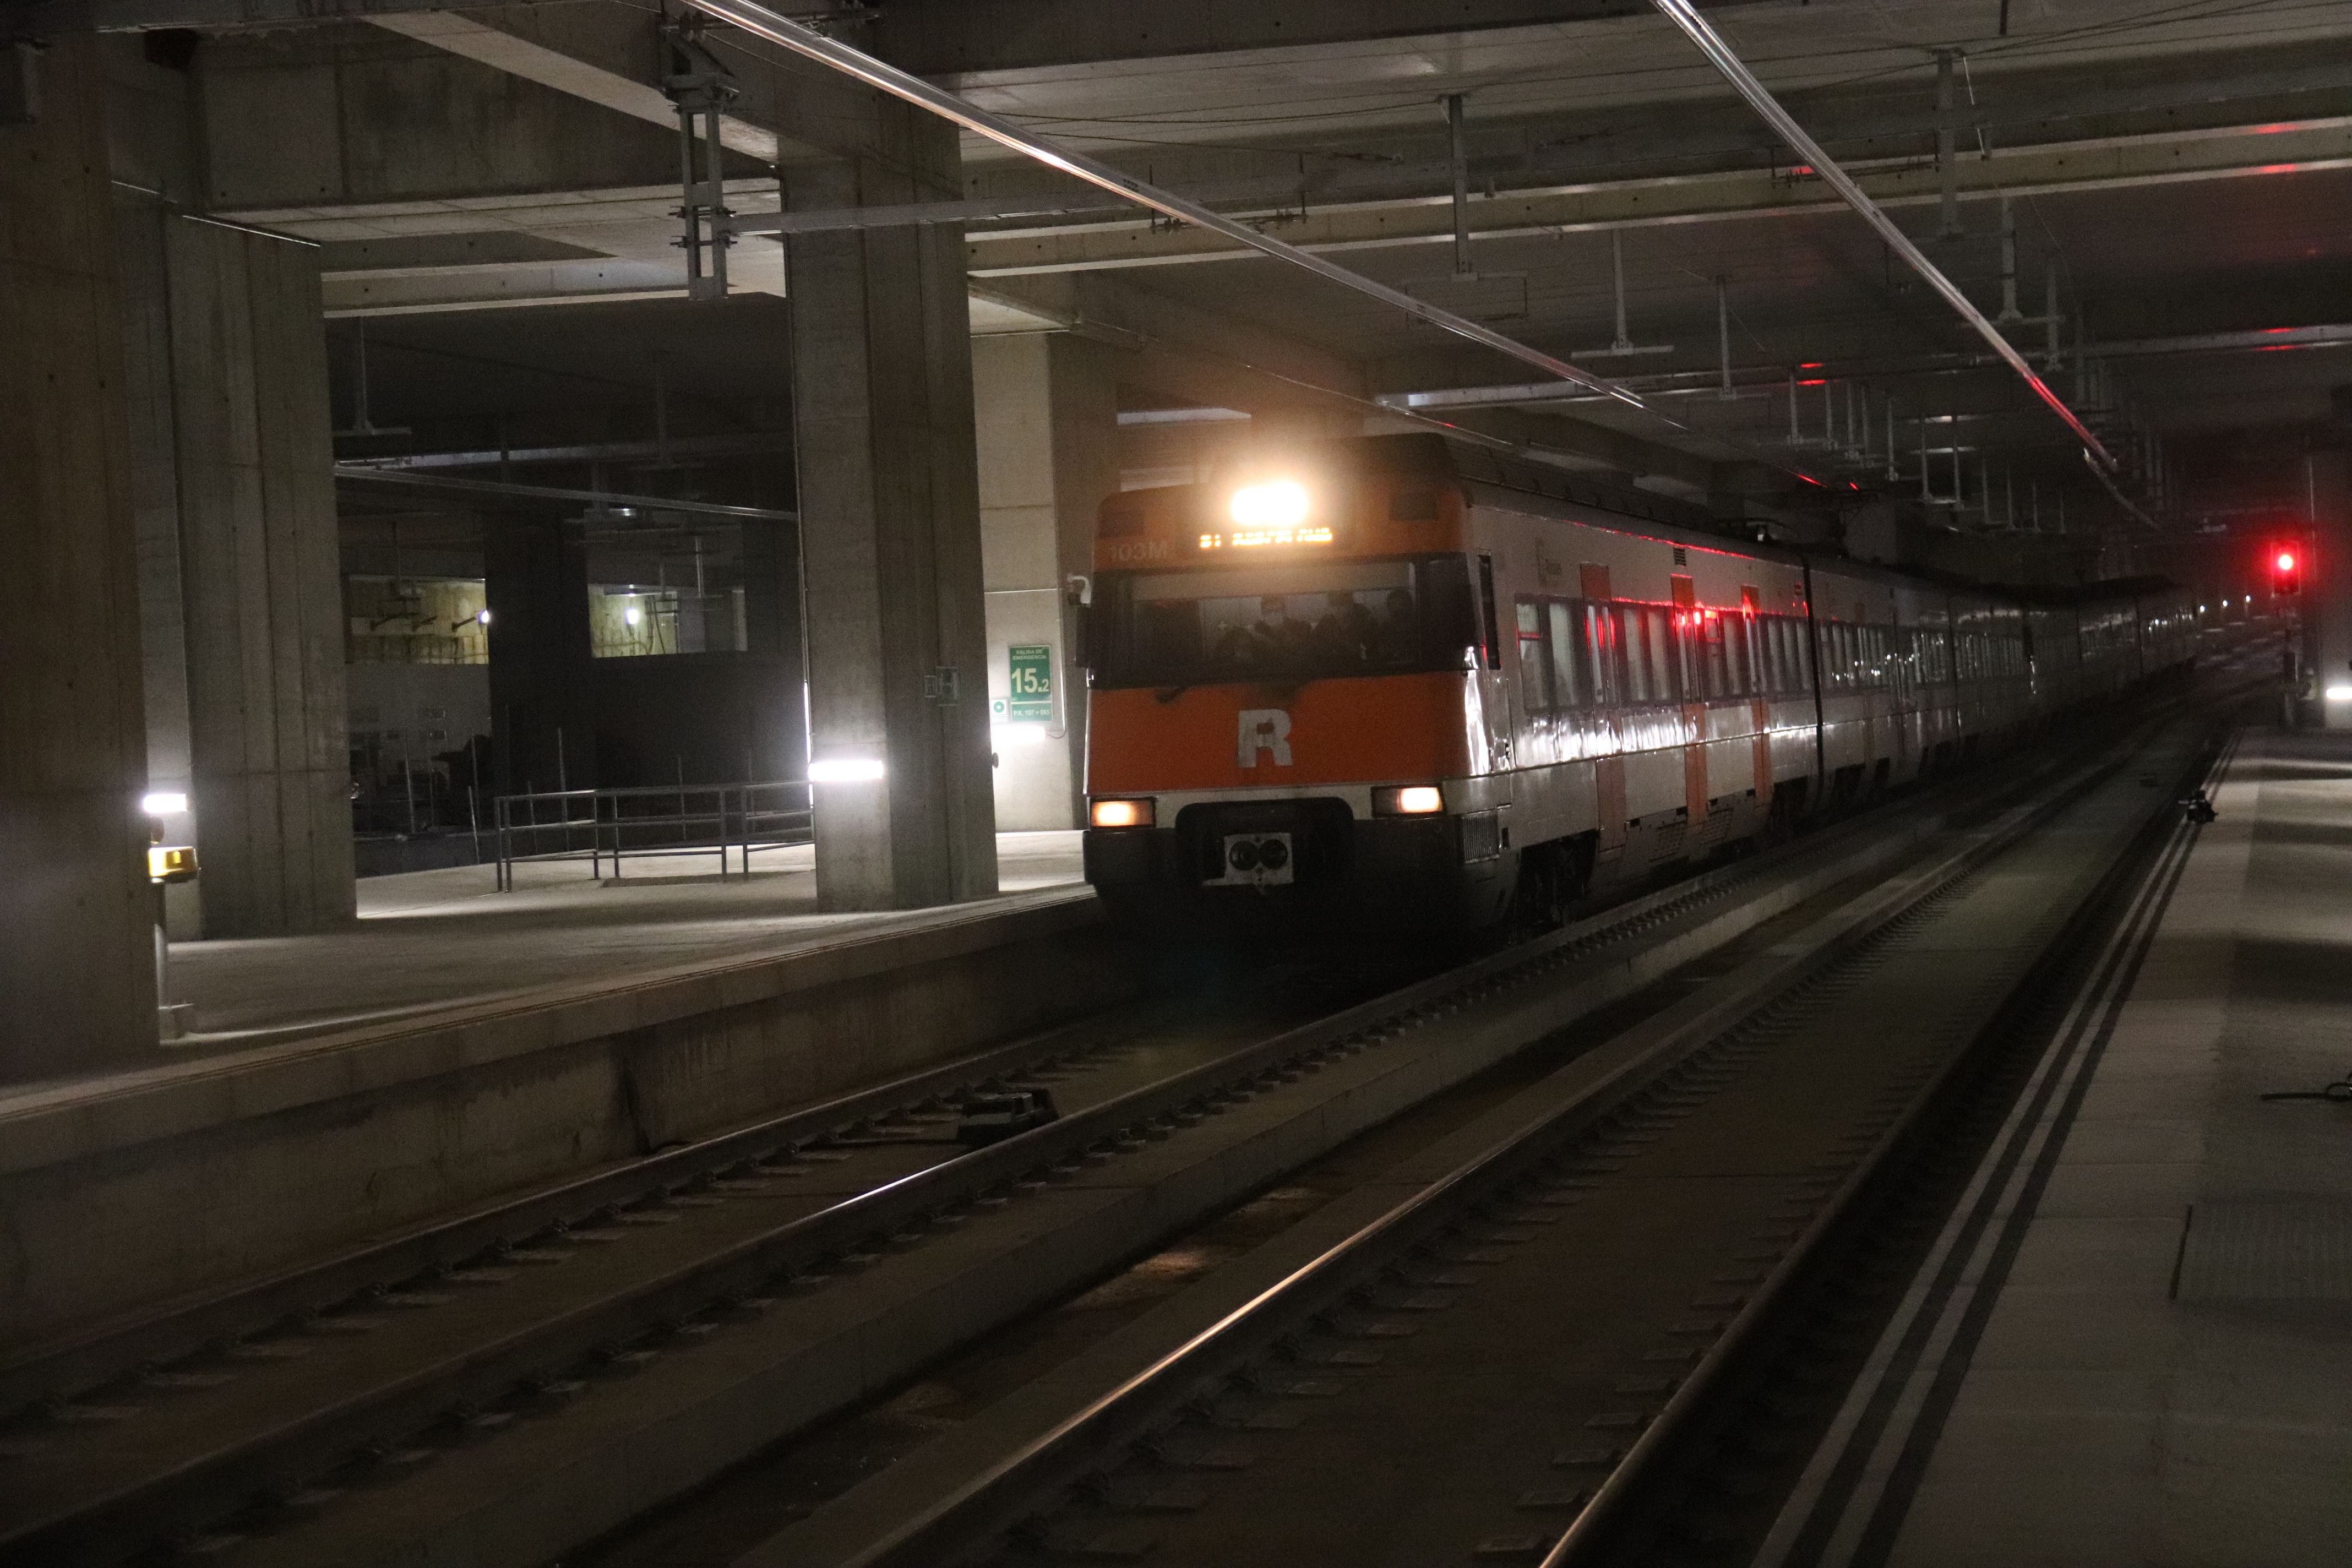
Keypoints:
pixel 1458 143
pixel 764 22
pixel 1623 344
pixel 701 87
pixel 1720 55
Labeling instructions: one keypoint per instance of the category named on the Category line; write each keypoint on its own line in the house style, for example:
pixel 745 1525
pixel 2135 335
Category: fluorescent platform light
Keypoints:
pixel 845 769
pixel 2340 694
pixel 163 803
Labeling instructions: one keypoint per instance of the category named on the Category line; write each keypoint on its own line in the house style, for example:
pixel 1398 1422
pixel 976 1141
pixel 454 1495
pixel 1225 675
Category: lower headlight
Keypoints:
pixel 1120 814
pixel 1408 800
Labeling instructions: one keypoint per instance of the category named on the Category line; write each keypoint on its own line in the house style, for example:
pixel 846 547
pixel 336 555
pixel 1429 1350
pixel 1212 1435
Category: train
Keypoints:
pixel 1412 683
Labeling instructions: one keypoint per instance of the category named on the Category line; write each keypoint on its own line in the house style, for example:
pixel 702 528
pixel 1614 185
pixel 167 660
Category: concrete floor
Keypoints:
pixel 2147 1362
pixel 429 940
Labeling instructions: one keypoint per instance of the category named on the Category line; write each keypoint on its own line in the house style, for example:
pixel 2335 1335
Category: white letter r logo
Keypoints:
pixel 1264 730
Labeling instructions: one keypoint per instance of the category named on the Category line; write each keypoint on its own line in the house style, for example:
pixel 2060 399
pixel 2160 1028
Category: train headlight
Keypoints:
pixel 1120 814
pixel 1408 800
pixel 1277 503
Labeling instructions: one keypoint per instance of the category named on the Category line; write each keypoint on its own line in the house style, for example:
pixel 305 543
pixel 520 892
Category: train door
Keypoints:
pixel 1493 680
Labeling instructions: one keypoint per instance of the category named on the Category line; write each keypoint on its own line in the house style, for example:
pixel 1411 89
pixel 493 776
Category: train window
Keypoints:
pixel 1602 656
pixel 1449 613
pixel 1631 639
pixel 1566 690
pixel 1711 659
pixel 1305 621
pixel 1535 660
pixel 1665 673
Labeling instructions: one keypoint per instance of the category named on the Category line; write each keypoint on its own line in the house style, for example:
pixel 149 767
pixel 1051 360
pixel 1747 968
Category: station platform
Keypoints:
pixel 2133 1344
pixel 456 1043
pixel 427 941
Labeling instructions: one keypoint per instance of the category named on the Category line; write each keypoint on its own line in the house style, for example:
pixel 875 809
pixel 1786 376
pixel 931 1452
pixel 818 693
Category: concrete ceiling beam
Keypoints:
pixel 939 37
pixel 503 286
pixel 503 40
pixel 1522 147
pixel 1184 352
pixel 1427 219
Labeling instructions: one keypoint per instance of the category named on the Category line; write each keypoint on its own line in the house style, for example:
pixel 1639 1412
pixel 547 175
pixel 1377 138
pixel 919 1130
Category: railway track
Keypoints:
pixel 1551 1336
pixel 719 1297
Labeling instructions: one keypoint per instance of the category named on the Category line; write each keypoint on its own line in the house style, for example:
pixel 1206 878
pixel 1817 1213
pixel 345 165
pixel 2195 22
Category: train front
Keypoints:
pixel 1284 726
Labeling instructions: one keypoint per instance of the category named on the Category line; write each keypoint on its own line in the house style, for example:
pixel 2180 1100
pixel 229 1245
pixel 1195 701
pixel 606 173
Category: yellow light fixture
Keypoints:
pixel 171 862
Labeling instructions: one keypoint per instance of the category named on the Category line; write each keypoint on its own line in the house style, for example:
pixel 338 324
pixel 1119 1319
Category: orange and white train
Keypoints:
pixel 1408 682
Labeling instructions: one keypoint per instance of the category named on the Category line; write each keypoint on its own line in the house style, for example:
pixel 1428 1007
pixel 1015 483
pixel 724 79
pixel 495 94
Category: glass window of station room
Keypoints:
pixel 416 620
pixel 660 588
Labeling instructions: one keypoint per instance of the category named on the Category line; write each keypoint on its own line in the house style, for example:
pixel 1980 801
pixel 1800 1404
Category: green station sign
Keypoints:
pixel 1030 682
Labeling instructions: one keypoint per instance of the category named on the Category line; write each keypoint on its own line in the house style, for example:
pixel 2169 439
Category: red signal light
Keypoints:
pixel 2286 573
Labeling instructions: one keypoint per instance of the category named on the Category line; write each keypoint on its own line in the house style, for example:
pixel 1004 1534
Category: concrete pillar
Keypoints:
pixel 241 597
pixel 891 532
pixel 77 983
pixel 1047 416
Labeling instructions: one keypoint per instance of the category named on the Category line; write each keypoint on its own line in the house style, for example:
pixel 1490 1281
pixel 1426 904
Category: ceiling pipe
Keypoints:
pixel 1743 81
pixel 764 22
pixel 353 471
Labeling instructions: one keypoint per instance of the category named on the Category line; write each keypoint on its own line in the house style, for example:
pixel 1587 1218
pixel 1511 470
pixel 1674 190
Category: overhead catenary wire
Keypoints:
pixel 777 29
pixel 1743 81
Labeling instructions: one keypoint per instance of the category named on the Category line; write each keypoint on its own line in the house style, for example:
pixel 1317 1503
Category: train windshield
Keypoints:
pixel 1305 622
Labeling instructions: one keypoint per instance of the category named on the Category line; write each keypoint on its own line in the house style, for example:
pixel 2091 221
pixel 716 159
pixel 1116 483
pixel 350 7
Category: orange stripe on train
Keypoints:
pixel 1376 729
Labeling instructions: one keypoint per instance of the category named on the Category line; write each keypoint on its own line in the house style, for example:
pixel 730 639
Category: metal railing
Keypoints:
pixel 655 821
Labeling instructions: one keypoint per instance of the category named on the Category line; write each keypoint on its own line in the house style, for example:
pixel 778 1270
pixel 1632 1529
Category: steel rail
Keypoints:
pixel 61 1369
pixel 777 29
pixel 1759 98
pixel 108 1350
pixel 189 1491
pixel 2132 867
pixel 999 1494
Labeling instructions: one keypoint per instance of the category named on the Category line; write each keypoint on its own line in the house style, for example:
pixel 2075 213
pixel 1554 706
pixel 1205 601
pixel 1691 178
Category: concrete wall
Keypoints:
pixel 217 1170
pixel 542 717
pixel 1045 407
pixel 77 983
pixel 721 717
pixel 417 700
